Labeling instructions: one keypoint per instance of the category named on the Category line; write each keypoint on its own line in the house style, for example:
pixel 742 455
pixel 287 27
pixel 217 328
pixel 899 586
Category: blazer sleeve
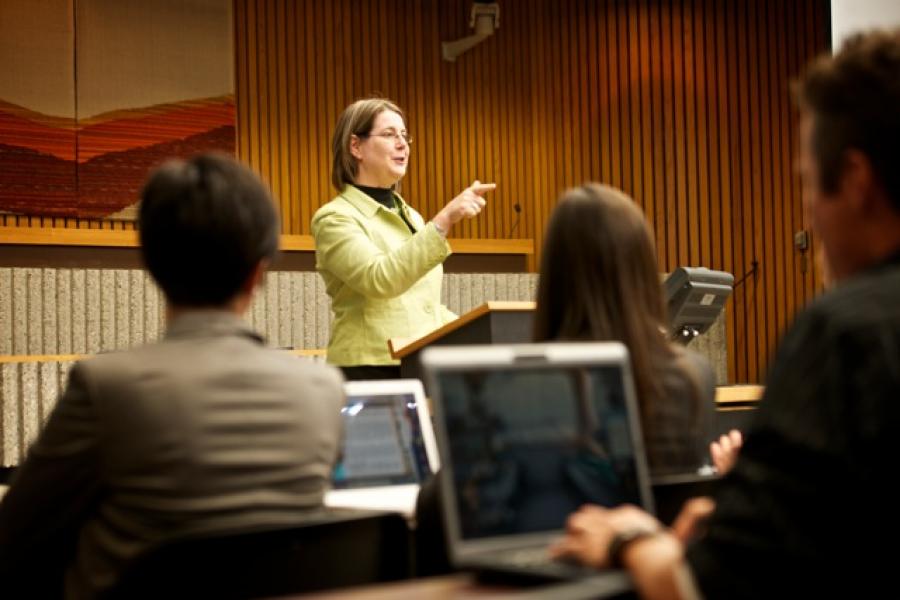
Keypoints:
pixel 344 250
pixel 56 487
pixel 448 315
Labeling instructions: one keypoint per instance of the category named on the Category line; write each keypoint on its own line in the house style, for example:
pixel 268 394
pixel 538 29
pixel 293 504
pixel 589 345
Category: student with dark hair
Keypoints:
pixel 380 260
pixel 809 508
pixel 599 282
pixel 205 225
pixel 205 430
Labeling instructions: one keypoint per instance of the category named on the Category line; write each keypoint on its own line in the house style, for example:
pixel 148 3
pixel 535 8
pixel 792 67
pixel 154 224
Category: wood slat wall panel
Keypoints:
pixel 682 103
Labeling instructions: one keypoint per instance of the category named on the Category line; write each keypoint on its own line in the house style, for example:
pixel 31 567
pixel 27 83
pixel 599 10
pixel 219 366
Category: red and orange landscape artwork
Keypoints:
pixel 113 90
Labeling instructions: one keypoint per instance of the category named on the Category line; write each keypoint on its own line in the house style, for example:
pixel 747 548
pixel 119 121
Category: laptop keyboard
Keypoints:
pixel 537 562
pixel 528 557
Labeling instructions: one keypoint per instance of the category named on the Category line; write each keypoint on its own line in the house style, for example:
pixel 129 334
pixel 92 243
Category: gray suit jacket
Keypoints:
pixel 207 429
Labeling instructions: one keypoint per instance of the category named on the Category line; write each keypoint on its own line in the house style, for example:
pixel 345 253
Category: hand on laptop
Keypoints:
pixel 725 451
pixel 592 530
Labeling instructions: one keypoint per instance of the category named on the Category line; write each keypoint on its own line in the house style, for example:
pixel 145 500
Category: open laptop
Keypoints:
pixel 527 434
pixel 388 447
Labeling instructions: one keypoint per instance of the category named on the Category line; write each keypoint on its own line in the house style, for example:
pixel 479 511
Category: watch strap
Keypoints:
pixel 622 540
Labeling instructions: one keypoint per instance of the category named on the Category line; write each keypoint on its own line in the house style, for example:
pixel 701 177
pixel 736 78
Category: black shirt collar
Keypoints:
pixel 383 196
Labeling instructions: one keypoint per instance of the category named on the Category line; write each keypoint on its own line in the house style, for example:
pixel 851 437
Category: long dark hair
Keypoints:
pixel 599 281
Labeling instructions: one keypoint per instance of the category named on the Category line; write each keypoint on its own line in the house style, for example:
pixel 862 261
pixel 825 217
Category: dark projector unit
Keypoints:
pixel 695 297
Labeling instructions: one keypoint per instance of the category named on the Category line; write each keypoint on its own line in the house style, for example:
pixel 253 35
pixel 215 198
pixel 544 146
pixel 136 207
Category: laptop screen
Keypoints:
pixel 384 443
pixel 529 446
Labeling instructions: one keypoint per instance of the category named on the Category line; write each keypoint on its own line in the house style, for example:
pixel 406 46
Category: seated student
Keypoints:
pixel 206 429
pixel 810 508
pixel 599 281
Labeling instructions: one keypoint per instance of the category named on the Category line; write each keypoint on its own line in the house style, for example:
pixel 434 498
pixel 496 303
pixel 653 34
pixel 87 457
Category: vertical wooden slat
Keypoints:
pixel 283 193
pixel 703 251
pixel 541 204
pixel 681 135
pixel 772 245
pixel 502 171
pixel 613 87
pixel 672 150
pixel 734 66
pixel 787 269
pixel 657 141
pixel 574 119
pixel 635 86
pixel 626 106
pixel 755 306
pixel 647 197
pixel 690 224
pixel 793 210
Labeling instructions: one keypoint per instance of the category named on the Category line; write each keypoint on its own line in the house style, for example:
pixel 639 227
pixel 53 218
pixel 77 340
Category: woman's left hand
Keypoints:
pixel 466 205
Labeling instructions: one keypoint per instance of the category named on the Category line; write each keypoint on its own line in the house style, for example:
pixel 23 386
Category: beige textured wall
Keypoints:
pixel 76 311
pixel 85 311
pixel 28 392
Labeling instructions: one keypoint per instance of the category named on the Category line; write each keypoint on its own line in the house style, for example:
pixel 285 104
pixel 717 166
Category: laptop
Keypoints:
pixel 527 434
pixel 388 447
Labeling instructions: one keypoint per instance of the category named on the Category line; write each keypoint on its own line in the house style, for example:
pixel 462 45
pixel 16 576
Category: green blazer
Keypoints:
pixel 384 281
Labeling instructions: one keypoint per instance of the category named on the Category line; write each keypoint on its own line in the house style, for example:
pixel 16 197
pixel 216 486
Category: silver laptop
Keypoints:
pixel 388 447
pixel 527 434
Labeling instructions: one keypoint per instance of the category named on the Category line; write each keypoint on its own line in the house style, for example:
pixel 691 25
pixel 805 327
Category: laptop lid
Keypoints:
pixel 529 433
pixel 388 447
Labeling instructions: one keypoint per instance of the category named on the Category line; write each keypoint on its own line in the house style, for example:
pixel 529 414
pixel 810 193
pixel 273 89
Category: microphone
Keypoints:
pixel 518 208
pixel 754 265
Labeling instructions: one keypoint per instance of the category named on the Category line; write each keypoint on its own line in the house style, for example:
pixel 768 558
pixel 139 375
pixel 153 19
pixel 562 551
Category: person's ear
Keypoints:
pixel 354 147
pixel 858 182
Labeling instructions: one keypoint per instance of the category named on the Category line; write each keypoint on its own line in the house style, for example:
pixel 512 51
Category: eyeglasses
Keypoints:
pixel 389 136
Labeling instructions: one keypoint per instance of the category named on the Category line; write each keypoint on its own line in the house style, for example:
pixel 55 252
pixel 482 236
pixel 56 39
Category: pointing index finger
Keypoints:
pixel 480 188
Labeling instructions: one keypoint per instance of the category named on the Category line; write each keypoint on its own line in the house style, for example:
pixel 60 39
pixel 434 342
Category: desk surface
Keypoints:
pixel 460 586
pixel 446 587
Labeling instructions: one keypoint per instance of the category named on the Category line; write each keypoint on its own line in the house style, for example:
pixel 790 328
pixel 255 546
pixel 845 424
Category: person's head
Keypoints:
pixel 208 228
pixel 849 132
pixel 370 145
pixel 599 281
pixel 599 278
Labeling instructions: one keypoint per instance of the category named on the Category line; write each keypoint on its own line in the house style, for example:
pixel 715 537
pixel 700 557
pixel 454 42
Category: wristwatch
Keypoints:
pixel 440 229
pixel 622 540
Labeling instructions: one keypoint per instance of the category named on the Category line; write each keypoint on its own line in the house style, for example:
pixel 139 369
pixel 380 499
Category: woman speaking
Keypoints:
pixel 381 262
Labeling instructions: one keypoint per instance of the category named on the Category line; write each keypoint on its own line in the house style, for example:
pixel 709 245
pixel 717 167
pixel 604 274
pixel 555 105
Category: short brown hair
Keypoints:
pixel 357 119
pixel 204 224
pixel 853 98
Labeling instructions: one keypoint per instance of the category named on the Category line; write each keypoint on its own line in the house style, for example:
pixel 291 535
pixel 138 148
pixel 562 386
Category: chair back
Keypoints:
pixel 333 549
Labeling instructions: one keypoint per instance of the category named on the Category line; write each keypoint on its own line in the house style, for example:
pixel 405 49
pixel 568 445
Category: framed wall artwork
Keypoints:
pixel 114 89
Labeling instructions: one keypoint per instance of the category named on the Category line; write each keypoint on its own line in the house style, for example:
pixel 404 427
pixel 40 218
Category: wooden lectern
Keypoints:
pixel 491 323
